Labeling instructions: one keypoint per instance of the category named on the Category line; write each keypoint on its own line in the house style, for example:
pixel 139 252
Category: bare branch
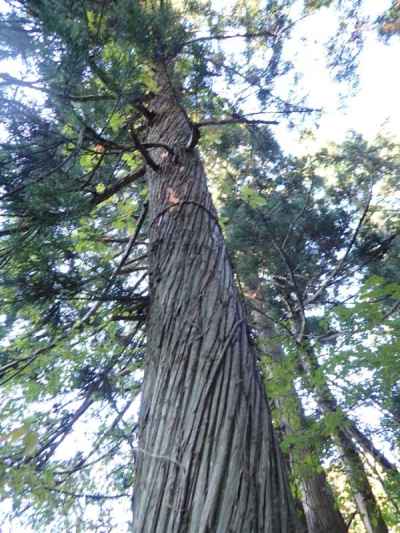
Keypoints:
pixel 221 37
pixel 342 261
pixel 234 120
pixel 95 497
pixel 391 310
pixel 116 272
pixel 11 80
pixel 118 186
pixel 269 317
pixel 368 446
pixel 142 149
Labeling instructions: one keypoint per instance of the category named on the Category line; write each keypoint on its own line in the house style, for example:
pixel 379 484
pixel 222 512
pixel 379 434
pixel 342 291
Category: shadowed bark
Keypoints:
pixel 208 458
pixel 319 505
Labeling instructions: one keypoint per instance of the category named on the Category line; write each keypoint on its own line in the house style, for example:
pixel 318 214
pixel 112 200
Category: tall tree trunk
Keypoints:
pixel 364 497
pixel 366 503
pixel 318 502
pixel 320 510
pixel 208 460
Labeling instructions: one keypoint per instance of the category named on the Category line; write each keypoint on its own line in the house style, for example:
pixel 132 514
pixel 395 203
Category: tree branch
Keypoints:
pixel 118 186
pixel 221 37
pixel 234 120
pixel 95 497
pixel 342 261
pixel 368 446
pixel 142 149
pixel 125 256
pixel 11 80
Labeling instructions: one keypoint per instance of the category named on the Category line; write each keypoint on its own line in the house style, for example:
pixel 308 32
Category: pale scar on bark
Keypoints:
pixel 172 198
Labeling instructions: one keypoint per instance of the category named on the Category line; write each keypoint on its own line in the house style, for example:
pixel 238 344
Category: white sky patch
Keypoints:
pixel 373 109
pixel 4 8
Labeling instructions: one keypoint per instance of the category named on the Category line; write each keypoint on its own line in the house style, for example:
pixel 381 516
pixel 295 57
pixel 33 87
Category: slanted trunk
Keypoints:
pixel 319 505
pixel 208 460
pixel 317 499
pixel 366 503
pixel 364 497
pixel 368 446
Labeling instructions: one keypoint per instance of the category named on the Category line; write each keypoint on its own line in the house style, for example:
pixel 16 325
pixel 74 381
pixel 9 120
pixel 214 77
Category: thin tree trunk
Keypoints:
pixel 318 502
pixel 320 510
pixel 319 505
pixel 208 460
pixel 364 497
pixel 365 443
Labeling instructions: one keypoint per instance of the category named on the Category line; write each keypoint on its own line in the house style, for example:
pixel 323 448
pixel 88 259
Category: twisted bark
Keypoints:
pixel 208 458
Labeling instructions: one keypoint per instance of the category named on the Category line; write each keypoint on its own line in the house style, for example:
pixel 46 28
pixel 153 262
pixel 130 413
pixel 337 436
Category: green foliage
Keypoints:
pixel 72 342
pixel 324 242
pixel 73 317
pixel 389 22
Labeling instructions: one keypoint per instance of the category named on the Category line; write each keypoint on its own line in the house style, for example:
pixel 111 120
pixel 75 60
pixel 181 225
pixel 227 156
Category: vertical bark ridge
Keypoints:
pixel 208 460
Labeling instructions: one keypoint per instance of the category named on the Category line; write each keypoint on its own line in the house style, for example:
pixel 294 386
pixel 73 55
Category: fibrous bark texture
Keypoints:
pixel 319 505
pixel 208 460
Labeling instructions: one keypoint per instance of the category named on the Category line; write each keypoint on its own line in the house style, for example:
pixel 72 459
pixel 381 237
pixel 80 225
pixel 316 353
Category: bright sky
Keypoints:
pixel 371 110
pixel 374 109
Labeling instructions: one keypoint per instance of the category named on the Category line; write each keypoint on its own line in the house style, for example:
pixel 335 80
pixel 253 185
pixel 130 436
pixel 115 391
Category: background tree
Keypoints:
pixel 326 240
